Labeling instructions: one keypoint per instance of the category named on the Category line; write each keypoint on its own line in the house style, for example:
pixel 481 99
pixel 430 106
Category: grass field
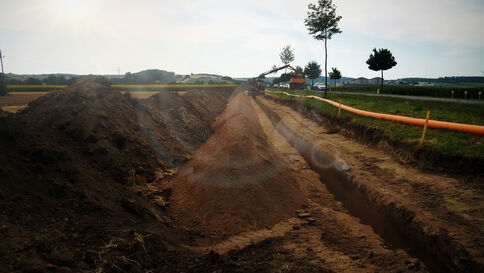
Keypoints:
pixel 430 91
pixel 449 142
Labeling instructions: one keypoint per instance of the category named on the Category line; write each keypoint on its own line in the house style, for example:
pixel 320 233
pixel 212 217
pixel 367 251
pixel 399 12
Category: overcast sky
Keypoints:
pixel 429 38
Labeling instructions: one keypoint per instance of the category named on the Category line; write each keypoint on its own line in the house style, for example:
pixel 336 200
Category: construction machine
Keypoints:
pixel 257 84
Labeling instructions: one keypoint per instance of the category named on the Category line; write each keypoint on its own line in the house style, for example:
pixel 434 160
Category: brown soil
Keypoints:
pixel 441 215
pixel 236 181
pixel 16 101
pixel 79 177
pixel 92 180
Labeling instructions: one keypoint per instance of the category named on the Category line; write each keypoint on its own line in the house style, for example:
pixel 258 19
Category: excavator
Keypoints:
pixel 257 84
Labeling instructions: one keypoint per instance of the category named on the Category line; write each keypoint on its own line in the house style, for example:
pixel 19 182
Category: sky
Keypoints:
pixel 429 38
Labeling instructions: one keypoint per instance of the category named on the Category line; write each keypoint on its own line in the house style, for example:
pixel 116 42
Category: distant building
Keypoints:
pixel 395 82
pixel 425 84
pixel 359 81
pixel 375 81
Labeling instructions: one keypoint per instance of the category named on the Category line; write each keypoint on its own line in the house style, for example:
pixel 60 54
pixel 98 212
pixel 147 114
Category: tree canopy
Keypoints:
pixel 312 71
pixel 299 70
pixel 335 74
pixel 381 59
pixel 32 81
pixel 286 55
pixel 322 23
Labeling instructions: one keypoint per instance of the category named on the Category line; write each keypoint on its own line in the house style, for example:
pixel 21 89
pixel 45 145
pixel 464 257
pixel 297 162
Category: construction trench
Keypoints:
pixel 220 181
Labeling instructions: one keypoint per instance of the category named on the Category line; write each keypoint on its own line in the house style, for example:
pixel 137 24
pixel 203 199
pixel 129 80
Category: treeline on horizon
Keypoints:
pixel 151 76
pixel 155 76
pixel 456 80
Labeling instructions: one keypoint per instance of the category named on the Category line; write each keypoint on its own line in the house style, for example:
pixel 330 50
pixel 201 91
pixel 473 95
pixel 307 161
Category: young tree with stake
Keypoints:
pixel 322 23
pixel 335 74
pixel 381 60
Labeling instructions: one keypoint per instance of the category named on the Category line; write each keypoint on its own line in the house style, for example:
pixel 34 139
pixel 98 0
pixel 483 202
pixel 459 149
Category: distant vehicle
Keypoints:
pixel 276 85
pixel 319 86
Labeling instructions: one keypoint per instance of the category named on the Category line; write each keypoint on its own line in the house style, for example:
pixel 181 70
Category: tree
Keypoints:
pixel 286 55
pixel 299 70
pixel 55 80
pixel 312 71
pixel 335 74
pixel 322 23
pixel 32 81
pixel 381 60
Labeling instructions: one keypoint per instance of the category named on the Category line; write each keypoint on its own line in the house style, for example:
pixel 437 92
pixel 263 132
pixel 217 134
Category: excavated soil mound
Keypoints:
pixel 186 121
pixel 79 175
pixel 236 181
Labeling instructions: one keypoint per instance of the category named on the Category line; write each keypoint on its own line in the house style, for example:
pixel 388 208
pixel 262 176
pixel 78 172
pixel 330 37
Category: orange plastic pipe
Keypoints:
pixel 469 128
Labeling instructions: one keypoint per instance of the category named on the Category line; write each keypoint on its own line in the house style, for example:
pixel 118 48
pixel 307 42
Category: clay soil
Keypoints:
pixel 93 180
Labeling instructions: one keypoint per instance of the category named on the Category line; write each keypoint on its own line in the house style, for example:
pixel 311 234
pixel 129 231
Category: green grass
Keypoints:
pixel 444 91
pixel 445 141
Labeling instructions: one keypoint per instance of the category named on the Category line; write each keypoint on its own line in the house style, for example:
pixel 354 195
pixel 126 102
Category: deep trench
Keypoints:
pixel 392 223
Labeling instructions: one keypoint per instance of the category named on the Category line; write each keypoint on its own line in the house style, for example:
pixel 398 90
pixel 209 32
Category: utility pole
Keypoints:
pixel 1 61
pixel 3 86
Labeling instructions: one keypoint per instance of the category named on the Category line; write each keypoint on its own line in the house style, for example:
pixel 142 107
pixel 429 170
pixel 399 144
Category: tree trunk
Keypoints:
pixel 381 81
pixel 325 65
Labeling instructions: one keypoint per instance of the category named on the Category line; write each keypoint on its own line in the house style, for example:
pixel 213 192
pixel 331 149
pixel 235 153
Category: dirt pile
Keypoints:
pixel 236 181
pixel 186 119
pixel 79 175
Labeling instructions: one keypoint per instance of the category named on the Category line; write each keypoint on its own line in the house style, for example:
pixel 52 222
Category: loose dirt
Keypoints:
pixel 79 175
pixel 319 233
pixel 16 101
pixel 440 214
pixel 236 181
pixel 93 180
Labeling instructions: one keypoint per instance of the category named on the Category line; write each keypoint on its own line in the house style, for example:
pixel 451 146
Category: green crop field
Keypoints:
pixel 447 141
pixel 444 91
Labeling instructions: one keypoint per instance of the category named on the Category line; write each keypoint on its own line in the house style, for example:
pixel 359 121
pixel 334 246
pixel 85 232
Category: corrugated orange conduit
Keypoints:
pixel 469 128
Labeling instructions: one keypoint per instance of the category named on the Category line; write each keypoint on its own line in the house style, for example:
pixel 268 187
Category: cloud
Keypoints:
pixel 232 37
pixel 455 23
